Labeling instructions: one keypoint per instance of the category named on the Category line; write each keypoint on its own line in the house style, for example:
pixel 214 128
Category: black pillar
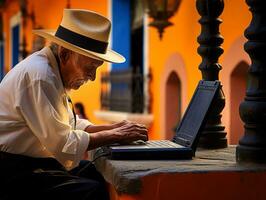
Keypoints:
pixel 210 40
pixel 252 146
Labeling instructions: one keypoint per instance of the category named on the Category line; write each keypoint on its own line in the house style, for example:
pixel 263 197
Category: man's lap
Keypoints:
pixel 49 180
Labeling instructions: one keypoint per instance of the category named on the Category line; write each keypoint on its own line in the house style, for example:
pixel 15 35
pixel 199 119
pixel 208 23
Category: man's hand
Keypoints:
pixel 129 132
pixel 123 133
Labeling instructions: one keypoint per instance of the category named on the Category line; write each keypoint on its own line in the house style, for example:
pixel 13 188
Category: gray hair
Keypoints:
pixel 54 47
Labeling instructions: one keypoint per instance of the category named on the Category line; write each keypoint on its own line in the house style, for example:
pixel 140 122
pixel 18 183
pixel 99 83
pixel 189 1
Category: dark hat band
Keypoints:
pixel 81 40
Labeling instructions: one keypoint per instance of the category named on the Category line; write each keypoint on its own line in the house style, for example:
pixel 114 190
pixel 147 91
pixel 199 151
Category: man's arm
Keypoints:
pixel 126 132
pixel 96 128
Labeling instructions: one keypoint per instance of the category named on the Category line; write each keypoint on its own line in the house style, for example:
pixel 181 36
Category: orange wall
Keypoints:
pixel 182 38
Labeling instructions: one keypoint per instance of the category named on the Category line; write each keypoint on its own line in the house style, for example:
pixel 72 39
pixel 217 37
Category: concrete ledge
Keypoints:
pixel 209 166
pixel 113 116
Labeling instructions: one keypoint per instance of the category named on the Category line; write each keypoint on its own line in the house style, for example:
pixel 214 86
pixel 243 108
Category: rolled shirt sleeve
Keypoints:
pixel 45 111
pixel 82 123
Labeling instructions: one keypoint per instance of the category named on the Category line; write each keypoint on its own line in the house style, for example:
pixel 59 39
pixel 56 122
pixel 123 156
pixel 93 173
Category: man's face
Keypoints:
pixel 78 69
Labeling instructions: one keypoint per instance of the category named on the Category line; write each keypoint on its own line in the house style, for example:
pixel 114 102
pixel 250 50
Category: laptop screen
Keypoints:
pixel 196 112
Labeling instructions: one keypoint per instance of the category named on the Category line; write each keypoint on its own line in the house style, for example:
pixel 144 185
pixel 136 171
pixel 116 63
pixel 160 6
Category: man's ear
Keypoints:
pixel 64 54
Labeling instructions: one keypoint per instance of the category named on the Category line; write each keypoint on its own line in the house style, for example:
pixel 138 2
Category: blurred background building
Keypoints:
pixel 156 82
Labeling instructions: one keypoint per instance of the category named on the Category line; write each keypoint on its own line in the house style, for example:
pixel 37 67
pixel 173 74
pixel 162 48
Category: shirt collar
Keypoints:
pixel 54 64
pixel 51 57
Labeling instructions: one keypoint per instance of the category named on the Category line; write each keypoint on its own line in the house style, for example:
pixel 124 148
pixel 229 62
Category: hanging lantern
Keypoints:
pixel 160 11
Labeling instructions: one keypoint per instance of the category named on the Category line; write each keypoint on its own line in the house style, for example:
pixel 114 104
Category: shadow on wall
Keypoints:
pixel 173 104
pixel 238 80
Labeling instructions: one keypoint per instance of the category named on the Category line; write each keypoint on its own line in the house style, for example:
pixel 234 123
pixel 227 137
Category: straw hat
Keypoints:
pixel 84 32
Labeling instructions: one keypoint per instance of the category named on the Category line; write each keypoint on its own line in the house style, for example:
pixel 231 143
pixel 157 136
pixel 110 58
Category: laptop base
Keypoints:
pixel 150 154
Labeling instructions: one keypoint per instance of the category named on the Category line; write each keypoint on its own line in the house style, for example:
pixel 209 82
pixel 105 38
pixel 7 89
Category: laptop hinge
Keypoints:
pixel 183 141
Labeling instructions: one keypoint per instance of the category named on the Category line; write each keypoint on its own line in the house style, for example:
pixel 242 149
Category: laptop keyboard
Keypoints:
pixel 157 143
pixel 151 144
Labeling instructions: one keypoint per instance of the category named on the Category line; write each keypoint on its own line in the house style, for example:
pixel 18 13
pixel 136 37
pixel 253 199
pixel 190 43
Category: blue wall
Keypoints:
pixel 121 31
pixel 15 45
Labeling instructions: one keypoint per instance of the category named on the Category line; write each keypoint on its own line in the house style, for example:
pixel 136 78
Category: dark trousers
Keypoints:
pixel 23 177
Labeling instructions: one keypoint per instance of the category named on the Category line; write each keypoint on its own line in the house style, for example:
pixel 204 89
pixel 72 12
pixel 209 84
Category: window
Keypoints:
pixel 15 27
pixel 122 88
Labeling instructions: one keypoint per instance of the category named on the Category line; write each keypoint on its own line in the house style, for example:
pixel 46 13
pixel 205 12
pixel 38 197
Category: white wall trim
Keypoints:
pixel 110 17
pixel 15 20
pixel 146 62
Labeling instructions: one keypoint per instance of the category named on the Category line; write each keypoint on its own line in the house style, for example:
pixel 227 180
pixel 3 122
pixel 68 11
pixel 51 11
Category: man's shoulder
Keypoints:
pixel 37 67
pixel 34 69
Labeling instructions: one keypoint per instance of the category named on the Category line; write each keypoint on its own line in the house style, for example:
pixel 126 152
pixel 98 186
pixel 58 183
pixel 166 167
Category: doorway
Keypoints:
pixel 172 104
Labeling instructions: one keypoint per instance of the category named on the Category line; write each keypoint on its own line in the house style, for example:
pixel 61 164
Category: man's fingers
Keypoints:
pixel 134 136
pixel 135 127
pixel 132 131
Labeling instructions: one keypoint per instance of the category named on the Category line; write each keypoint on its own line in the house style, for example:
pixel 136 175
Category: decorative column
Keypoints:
pixel 210 40
pixel 252 146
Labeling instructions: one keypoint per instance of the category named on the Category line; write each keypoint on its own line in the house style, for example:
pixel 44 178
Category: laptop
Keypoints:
pixel 185 140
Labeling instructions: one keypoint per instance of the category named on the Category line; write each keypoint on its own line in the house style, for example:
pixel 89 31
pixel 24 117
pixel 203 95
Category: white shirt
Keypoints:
pixel 35 118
